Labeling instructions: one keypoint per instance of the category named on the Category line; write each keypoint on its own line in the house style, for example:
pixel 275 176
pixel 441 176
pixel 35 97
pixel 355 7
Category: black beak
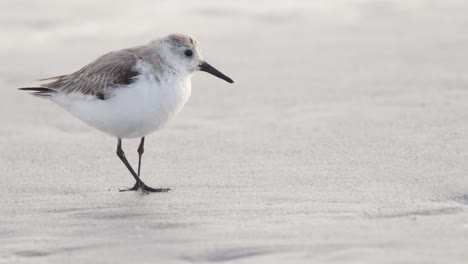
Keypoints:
pixel 210 69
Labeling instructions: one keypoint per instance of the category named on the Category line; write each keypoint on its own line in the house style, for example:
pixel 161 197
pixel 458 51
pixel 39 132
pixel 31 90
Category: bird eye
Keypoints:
pixel 188 53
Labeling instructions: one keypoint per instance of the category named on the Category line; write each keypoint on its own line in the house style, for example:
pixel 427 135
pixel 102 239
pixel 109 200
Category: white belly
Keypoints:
pixel 134 111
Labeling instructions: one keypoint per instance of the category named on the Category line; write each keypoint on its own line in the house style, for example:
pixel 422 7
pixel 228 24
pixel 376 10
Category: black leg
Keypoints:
pixel 141 150
pixel 121 155
pixel 139 183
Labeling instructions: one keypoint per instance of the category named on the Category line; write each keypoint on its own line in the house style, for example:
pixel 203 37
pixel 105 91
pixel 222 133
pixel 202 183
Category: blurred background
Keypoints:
pixel 343 139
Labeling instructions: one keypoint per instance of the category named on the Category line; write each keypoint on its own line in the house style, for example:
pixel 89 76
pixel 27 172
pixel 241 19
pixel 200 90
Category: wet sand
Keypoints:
pixel 343 140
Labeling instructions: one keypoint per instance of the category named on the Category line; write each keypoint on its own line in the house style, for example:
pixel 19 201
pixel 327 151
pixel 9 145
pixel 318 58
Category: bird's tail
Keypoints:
pixel 39 91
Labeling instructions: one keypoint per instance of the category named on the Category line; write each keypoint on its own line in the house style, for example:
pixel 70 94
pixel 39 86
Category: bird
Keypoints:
pixel 132 92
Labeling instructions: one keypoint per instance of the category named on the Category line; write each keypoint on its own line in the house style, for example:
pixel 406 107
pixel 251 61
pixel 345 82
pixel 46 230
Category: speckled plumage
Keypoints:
pixel 130 92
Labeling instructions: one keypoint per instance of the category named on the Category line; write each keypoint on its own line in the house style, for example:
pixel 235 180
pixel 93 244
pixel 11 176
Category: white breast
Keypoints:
pixel 131 111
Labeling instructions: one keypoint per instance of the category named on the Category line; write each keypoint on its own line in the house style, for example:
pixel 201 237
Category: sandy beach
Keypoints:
pixel 343 140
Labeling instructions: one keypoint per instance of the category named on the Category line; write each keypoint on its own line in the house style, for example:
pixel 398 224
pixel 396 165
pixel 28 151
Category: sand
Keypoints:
pixel 343 140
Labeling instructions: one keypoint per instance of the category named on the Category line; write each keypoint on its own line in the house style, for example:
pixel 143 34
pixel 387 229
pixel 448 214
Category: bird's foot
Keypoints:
pixel 144 188
pixel 134 188
pixel 147 189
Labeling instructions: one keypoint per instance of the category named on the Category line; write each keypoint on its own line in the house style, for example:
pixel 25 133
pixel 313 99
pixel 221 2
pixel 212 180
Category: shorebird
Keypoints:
pixel 132 92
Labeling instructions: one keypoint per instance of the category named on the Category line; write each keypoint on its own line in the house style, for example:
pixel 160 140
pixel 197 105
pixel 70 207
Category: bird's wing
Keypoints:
pixel 111 70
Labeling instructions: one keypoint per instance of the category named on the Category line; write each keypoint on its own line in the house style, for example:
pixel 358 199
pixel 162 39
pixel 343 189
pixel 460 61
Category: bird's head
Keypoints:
pixel 182 53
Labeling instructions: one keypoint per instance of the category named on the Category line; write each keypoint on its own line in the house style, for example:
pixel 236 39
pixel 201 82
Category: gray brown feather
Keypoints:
pixel 111 70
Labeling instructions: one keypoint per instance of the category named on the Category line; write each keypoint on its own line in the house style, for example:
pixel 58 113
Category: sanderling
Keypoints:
pixel 132 92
